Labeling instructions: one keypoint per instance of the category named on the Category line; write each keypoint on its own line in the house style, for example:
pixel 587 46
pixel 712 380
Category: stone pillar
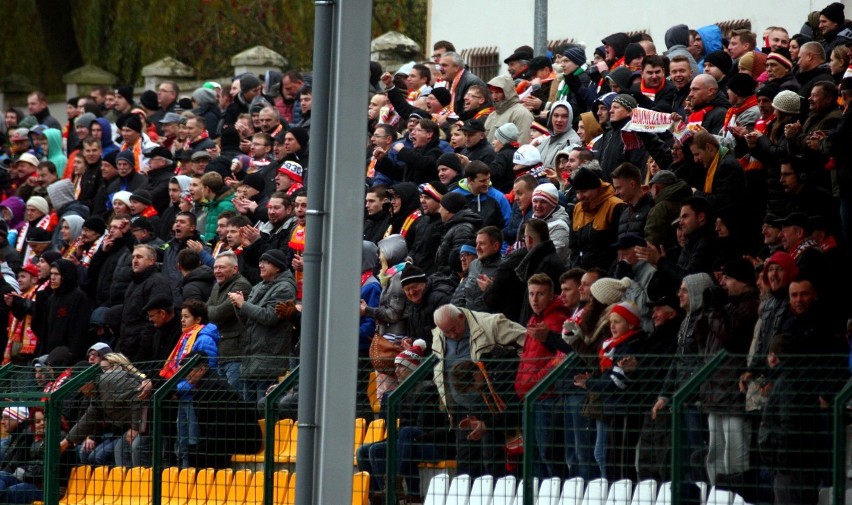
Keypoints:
pixel 166 69
pixel 393 49
pixel 83 79
pixel 257 60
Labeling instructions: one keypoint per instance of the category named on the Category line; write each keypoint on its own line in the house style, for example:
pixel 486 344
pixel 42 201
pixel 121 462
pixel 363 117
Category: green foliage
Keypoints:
pixel 122 36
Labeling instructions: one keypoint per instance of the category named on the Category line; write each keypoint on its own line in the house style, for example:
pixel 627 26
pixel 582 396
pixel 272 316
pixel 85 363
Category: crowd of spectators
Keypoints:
pixel 522 220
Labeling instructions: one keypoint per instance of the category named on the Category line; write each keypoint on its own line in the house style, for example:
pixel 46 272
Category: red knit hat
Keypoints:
pixel 785 261
pixel 629 311
pixel 410 358
pixel 293 170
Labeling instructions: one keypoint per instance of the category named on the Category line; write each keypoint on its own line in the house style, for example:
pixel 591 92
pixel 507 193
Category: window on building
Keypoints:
pixel 482 61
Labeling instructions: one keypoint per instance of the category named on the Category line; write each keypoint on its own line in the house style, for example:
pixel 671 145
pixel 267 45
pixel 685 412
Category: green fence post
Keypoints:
pixel 394 399
pixel 53 427
pixel 157 442
pixel 558 373
pixel 269 438
pixel 680 396
pixel 838 469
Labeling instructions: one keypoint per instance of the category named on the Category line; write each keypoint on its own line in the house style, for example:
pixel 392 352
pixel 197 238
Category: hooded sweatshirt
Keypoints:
pixel 550 146
pixel 68 312
pixel 677 40
pixel 688 358
pixel 54 150
pixel 711 36
pixel 107 145
pixel 509 110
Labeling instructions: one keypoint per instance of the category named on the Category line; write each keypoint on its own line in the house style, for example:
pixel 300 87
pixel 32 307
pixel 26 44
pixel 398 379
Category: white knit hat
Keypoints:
pixel 608 291
pixel 787 101
pixel 547 192
pixel 122 196
pixel 411 357
pixel 38 202
pixel 17 413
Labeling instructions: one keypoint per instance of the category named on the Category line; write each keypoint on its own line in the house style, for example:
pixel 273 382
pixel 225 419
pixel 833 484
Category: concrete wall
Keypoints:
pixel 508 24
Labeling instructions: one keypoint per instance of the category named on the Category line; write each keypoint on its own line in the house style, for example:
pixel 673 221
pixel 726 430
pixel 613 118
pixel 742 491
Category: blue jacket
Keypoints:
pixel 207 341
pixel 493 206
pixel 371 292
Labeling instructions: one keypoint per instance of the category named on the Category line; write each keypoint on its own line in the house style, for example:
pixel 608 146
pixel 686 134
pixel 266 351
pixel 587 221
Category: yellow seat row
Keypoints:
pixel 287 438
pixel 188 486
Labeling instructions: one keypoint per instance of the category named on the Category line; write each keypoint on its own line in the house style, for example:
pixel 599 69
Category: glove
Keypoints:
pixel 571 332
pixel 285 310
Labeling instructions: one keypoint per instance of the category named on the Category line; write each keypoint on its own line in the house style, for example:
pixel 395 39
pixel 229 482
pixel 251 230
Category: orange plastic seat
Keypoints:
pixel 252 458
pixel 203 484
pixel 281 488
pixel 221 483
pixel 360 425
pixel 289 453
pixel 239 488
pixel 137 487
pixel 95 489
pixel 361 488
pixel 182 489
pixel 290 496
pixel 77 482
pixel 114 483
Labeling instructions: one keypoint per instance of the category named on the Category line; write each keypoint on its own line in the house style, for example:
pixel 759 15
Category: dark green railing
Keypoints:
pixel 269 438
pixel 157 442
pixel 558 373
pixel 838 468
pixel 678 399
pixel 394 399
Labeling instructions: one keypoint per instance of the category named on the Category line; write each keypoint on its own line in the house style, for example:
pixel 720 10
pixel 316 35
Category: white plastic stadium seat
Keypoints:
pixel 548 493
pixel 504 491
pixel 720 497
pixel 620 492
pixel 459 491
pixel 437 493
pixel 596 492
pixel 482 491
pixel 646 493
pixel 572 492
pixel 519 497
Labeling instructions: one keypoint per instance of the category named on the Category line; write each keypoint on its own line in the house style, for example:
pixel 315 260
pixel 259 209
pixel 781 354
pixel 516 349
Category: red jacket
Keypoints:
pixel 537 359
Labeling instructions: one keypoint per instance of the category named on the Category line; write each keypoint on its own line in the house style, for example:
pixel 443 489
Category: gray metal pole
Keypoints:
pixel 540 27
pixel 332 260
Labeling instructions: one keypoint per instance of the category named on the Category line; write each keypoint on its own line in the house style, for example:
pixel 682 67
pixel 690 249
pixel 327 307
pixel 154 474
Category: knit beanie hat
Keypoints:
pixel 442 95
pixel 742 85
pixel 293 170
pixel 787 101
pixel 410 358
pixel 126 92
pixel 527 156
pixel 434 190
pixel 450 160
pixel 626 101
pixel 96 224
pixel 608 290
pixel 61 193
pixel 130 120
pixel 248 82
pixel 740 269
pixel 546 192
pixel 633 51
pixel 148 99
pixel 585 178
pixel 785 261
pixel 39 203
pixel 276 257
pixel 101 348
pixel 127 156
pixel 769 90
pixel 142 196
pixel 575 54
pixel 255 180
pixel 600 51
pixel 629 311
pixel 122 196
pixel 85 120
pixel 301 135
pixel 720 60
pixel 782 56
pixel 454 202
pixel 17 413
pixel 834 12
pixel 746 62
pixel 412 274
pixel 507 133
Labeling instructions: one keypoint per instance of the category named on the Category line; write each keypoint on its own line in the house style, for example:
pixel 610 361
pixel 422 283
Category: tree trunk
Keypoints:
pixel 56 17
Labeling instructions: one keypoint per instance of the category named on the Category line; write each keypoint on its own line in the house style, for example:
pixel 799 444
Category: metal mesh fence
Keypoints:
pixel 660 429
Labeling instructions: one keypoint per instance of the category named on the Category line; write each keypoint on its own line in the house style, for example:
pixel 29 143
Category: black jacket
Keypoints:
pixel 439 289
pixel 376 226
pixel 807 79
pixel 198 284
pixel 633 218
pixel 102 281
pixel 135 338
pixel 506 293
pixel 158 185
pixel 502 168
pixel 541 259
pixel 90 182
pixel 714 119
pixel 458 230
pixel 421 164
pixel 698 255
pixel 427 238
pixel 482 151
pixel 729 184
